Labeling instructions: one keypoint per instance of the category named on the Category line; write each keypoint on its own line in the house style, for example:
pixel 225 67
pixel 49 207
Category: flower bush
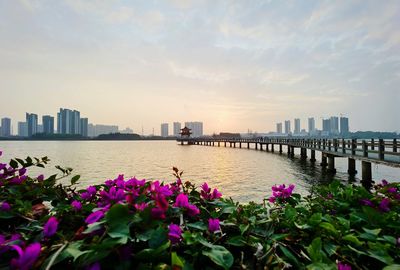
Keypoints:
pixel 132 223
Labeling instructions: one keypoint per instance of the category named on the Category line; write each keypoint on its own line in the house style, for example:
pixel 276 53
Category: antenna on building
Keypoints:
pixel 142 130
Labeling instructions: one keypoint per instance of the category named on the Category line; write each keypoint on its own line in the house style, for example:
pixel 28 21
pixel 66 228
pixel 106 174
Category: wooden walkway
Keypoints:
pixel 385 152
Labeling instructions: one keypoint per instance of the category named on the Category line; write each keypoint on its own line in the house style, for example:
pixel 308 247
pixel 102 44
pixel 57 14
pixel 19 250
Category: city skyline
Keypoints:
pixel 236 66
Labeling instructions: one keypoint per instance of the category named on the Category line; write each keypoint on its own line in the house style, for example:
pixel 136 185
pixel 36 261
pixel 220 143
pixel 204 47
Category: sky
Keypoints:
pixel 234 65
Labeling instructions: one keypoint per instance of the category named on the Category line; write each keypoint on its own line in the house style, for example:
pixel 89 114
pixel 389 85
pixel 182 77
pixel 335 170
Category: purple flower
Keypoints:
pixel 392 190
pixel 113 195
pixel 95 266
pixel 192 210
pixel 158 213
pixel 384 182
pixel 109 183
pixel 161 202
pixel 94 217
pixel 272 199
pixel 182 200
pixel 384 205
pixel 174 234
pixel 5 206
pixel 89 193
pixel 343 266
pixel 40 178
pixel 77 205
pixel 281 192
pixel 141 206
pixel 22 171
pixel 216 194
pixel 50 228
pixel 213 224
pixel 367 202
pixel 26 258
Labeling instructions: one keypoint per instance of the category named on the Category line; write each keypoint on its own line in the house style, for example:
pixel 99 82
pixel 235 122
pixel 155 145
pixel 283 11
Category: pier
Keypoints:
pixel 379 151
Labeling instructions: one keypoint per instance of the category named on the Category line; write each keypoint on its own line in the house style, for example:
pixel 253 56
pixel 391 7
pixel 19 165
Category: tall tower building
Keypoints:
pixel 84 124
pixel 287 127
pixel 22 129
pixel 344 126
pixel 196 127
pixel 326 125
pixel 311 125
pixel 75 122
pixel 296 126
pixel 177 128
pixel 334 125
pixel 32 122
pixel 279 128
pixel 48 124
pixel 5 127
pixel 164 130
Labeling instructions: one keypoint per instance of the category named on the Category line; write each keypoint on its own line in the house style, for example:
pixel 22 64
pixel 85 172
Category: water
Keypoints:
pixel 242 174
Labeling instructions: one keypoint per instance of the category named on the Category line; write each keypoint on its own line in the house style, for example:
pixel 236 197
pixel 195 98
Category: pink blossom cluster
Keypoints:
pixel 281 192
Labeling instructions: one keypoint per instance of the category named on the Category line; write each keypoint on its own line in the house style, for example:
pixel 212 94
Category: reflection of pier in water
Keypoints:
pixel 379 151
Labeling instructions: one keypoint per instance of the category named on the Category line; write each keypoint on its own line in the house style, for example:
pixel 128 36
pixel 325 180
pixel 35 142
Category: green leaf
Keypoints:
pixel 197 225
pixel 118 218
pixel 315 250
pixel 315 219
pixel 290 213
pixel 243 228
pixel 176 260
pixel 392 267
pixel 329 227
pixel 237 241
pixel 373 232
pixel 94 227
pixel 330 248
pixel 150 254
pixel 381 255
pixel 288 254
pixel 74 251
pixel 353 239
pixel 75 179
pixel 145 236
pixel 13 164
pixel 220 256
pixel 158 238
pixel 302 227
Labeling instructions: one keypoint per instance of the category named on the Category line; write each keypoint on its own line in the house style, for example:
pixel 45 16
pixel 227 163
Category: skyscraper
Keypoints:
pixel 296 126
pixel 326 125
pixel 48 124
pixel 32 122
pixel 164 130
pixel 279 128
pixel 83 126
pixel 196 127
pixel 68 121
pixel 177 128
pixel 22 129
pixel 334 125
pixel 287 127
pixel 344 126
pixel 311 125
pixel 5 127
pixel 75 122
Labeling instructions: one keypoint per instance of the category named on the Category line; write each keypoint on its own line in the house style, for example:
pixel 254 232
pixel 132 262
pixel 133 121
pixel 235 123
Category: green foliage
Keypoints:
pixel 335 223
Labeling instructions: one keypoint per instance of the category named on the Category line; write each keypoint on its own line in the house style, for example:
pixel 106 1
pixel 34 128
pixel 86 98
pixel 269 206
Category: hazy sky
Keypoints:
pixel 235 65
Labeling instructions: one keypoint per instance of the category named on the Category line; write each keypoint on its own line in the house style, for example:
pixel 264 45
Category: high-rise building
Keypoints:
pixel 22 129
pixel 326 125
pixel 83 126
pixel 196 127
pixel 48 124
pixel 164 130
pixel 287 127
pixel 32 122
pixel 296 126
pixel 5 127
pixel 311 125
pixel 96 130
pixel 177 128
pixel 334 125
pixel 68 121
pixel 279 128
pixel 344 126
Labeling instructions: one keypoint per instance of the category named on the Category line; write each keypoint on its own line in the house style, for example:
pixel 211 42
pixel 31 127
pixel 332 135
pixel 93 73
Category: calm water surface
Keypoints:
pixel 242 174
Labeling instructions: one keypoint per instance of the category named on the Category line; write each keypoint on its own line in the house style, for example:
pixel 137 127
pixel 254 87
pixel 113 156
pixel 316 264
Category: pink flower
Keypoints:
pixel 5 206
pixel 26 258
pixel 141 206
pixel 213 224
pixel 216 194
pixel 161 202
pixel 158 213
pixel 343 266
pixel 192 210
pixel 384 205
pixel 77 205
pixel 182 200
pixel 384 182
pixel 94 217
pixel 174 234
pixel 50 228
pixel 40 178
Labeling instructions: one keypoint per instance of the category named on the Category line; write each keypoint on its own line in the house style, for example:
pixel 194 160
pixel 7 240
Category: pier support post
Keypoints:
pixel 312 159
pixel 234 145
pixel 280 148
pixel 256 146
pixel 292 152
pixel 303 153
pixel 352 166
pixel 288 149
pixel 248 145
pixel 218 144
pixel 324 161
pixel 366 171
pixel 240 144
pixel 225 144
pixel 272 148
pixel 331 164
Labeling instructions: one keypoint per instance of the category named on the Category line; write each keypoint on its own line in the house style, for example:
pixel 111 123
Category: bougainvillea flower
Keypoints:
pixel 26 258
pixel 384 205
pixel 182 200
pixel 192 210
pixel 40 178
pixel 280 191
pixel 50 228
pixel 161 202
pixel 174 234
pixel 22 171
pixel 141 206
pixel 392 190
pixel 89 193
pixel 216 194
pixel 95 266
pixel 158 213
pixel 384 182
pixel 213 224
pixel 367 202
pixel 343 266
pixel 5 206
pixel 94 217
pixel 77 205
pixel 113 195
